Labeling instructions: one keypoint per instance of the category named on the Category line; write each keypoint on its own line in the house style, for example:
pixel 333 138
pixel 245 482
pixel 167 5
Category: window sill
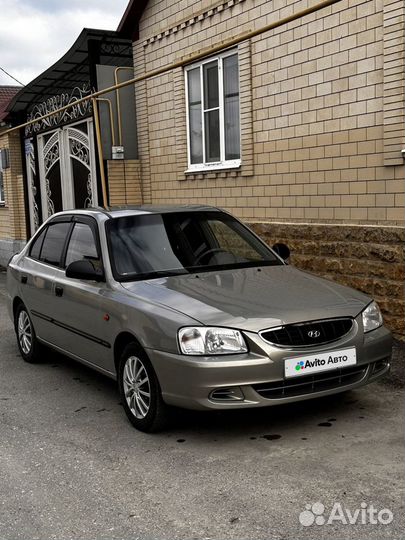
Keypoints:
pixel 229 165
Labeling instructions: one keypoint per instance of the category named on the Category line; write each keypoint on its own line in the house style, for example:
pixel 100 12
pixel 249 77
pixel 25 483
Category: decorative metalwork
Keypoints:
pixel 51 152
pixel 75 112
pixel 35 209
pixel 88 203
pixel 79 146
pixel 50 156
pixel 116 49
pixel 50 205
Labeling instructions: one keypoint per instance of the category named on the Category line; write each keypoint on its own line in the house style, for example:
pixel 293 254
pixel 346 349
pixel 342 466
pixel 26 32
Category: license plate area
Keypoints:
pixel 302 365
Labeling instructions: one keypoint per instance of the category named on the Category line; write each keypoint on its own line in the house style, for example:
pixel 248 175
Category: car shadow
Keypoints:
pixel 269 422
pixel 273 422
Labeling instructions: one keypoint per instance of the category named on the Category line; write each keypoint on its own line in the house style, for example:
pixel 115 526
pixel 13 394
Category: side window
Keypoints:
pixel 54 242
pixel 81 245
pixel 37 244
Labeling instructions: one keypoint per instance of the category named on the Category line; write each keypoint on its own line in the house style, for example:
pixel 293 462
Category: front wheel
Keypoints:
pixel 27 341
pixel 140 391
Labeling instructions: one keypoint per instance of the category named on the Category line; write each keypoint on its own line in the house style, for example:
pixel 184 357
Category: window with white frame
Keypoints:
pixel 213 122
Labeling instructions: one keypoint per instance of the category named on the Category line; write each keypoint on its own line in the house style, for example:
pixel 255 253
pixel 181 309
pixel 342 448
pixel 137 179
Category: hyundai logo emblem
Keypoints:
pixel 314 334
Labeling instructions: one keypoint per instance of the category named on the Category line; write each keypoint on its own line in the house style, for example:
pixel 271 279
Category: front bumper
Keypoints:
pixel 188 381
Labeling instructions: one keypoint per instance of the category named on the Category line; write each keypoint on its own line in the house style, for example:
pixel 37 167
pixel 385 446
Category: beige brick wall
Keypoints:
pixel 124 182
pixel 12 214
pixel 324 107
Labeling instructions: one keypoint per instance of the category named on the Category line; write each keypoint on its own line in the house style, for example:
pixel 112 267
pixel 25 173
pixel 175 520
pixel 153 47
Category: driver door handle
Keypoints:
pixel 58 290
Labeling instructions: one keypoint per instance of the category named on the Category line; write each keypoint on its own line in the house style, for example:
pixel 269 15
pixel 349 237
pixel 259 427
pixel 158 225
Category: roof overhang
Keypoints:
pixel 7 93
pixel 129 24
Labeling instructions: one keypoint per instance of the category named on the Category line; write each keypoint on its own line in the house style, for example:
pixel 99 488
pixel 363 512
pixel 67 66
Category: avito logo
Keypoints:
pixel 315 514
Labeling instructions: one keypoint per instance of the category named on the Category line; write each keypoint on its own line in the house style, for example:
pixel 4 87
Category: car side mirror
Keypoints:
pixel 84 269
pixel 282 250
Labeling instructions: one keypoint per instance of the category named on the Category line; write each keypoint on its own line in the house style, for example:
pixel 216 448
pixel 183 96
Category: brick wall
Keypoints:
pixel 124 182
pixel 12 214
pixel 322 120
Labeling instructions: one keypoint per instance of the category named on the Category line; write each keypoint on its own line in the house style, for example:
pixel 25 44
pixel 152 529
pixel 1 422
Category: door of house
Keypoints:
pixel 67 168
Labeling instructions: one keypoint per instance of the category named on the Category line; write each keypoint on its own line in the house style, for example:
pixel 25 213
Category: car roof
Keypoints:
pixel 124 211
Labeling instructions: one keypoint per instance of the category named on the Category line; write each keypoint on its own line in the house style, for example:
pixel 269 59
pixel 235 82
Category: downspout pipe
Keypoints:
pixel 118 99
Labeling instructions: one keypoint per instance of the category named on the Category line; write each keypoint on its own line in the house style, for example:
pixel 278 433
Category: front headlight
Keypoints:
pixel 200 340
pixel 372 317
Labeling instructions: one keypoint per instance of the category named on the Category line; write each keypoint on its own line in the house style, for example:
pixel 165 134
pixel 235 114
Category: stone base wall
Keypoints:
pixel 367 258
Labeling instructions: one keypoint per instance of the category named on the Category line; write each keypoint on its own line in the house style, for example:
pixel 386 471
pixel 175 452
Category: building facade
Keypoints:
pixel 12 209
pixel 298 130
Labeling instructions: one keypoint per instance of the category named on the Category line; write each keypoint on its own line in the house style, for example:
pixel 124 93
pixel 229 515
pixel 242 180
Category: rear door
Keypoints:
pixel 82 324
pixel 37 273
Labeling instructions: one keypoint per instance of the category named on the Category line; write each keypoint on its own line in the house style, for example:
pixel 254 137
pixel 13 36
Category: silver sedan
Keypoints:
pixel 185 306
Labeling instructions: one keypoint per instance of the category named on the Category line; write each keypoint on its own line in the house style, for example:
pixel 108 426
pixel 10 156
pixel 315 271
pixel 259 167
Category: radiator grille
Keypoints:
pixel 309 333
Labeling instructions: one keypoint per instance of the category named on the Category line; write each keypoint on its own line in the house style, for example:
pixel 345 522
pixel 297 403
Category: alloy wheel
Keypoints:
pixel 137 387
pixel 24 332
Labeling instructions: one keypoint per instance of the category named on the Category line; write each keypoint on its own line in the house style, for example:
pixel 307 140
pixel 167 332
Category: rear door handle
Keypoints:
pixel 58 290
pixel 24 279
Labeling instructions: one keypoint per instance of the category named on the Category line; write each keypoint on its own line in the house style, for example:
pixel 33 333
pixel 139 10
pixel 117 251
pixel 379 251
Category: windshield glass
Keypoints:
pixel 153 245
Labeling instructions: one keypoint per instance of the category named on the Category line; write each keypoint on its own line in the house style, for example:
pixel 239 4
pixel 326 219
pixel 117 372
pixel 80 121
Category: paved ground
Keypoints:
pixel 71 466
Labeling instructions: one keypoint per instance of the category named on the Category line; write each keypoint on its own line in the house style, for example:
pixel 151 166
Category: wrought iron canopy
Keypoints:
pixel 74 72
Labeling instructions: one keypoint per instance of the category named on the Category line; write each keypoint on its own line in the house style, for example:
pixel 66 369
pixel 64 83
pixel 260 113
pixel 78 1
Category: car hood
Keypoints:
pixel 252 298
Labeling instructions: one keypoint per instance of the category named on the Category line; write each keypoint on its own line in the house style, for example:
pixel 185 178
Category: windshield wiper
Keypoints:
pixel 154 274
pixel 232 266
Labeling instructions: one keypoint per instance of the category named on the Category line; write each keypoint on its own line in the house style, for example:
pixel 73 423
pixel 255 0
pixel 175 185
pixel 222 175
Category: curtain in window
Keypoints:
pixel 231 106
pixel 195 116
pixel 211 112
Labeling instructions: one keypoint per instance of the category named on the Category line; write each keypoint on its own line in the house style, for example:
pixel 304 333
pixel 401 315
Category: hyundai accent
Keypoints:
pixel 186 306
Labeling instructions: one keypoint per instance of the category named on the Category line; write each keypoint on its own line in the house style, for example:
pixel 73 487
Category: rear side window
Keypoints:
pixel 37 245
pixel 82 245
pixel 54 242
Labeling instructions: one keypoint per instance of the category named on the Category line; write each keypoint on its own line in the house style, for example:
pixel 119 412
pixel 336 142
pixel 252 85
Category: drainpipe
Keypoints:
pixel 112 124
pixel 100 152
pixel 117 94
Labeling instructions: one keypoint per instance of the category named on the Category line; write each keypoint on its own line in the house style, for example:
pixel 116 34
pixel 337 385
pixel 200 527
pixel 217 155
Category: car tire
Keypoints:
pixel 140 391
pixel 28 345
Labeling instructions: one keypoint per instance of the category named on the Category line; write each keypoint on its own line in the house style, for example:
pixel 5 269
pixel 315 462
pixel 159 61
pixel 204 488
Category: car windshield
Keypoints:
pixel 153 245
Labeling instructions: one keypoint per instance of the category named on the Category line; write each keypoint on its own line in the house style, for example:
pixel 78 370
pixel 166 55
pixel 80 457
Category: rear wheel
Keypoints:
pixel 140 391
pixel 28 344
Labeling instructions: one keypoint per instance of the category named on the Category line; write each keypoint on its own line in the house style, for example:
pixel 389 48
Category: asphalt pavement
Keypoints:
pixel 72 467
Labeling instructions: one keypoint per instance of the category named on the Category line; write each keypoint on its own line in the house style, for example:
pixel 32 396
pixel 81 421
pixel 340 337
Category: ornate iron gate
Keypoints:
pixel 67 168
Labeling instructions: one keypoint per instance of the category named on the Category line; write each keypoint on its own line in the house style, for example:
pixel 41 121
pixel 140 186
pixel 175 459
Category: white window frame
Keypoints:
pixel 223 163
pixel 3 176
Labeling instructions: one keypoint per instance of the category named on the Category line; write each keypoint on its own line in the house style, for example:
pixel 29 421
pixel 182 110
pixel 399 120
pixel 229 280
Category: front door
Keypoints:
pixel 82 329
